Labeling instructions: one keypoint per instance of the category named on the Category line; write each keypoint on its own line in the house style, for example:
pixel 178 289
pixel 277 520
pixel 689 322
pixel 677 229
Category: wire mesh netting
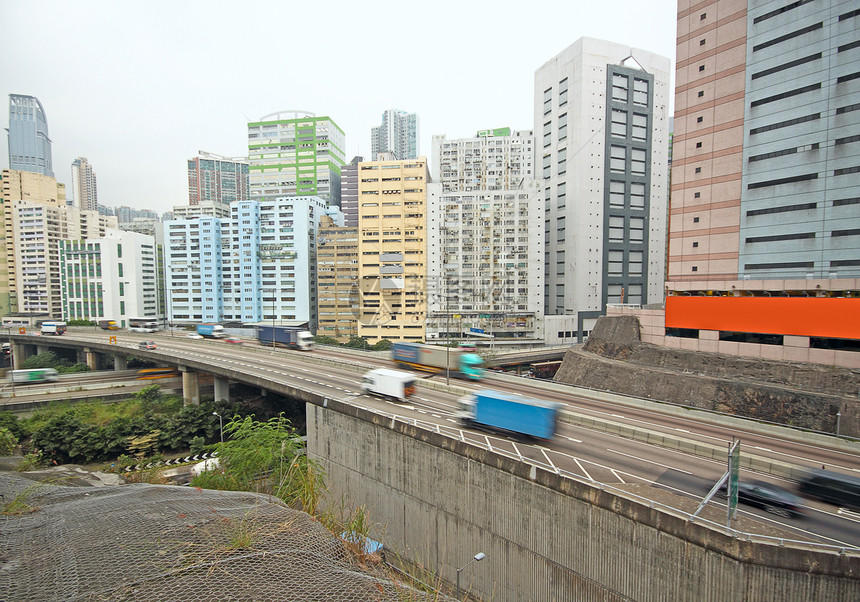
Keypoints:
pixel 157 542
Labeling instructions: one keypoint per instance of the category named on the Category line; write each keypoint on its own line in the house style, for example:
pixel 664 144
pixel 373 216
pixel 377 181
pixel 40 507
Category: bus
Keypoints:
pixel 39 375
pixel 155 373
pixel 142 325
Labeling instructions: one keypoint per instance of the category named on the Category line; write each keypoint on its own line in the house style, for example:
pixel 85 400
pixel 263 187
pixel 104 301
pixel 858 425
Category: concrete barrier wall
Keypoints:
pixel 437 502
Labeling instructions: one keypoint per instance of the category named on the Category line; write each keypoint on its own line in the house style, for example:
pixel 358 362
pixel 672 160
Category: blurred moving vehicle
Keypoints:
pixel 509 412
pixel 38 375
pixel 827 486
pixel 438 359
pixel 55 328
pixel 211 331
pixel 770 498
pixel 233 340
pixel 293 337
pixel 391 384
pixel 147 345
pixel 155 373
pixel 193 335
pixel 142 325
pixel 108 325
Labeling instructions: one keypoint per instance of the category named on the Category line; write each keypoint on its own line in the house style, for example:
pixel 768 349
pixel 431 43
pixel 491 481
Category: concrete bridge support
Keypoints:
pixel 92 359
pixel 222 389
pixel 190 386
pixel 42 349
pixel 120 362
pixel 20 352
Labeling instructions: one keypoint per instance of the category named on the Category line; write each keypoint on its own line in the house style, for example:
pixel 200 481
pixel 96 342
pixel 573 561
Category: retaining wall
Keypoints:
pixel 437 502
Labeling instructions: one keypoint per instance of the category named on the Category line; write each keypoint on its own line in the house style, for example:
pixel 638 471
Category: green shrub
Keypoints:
pixel 8 442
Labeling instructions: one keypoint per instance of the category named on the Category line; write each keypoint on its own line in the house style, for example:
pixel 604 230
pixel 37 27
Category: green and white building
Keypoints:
pixel 294 153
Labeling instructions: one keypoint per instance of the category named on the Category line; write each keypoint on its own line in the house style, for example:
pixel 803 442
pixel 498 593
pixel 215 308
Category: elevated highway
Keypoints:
pixel 441 490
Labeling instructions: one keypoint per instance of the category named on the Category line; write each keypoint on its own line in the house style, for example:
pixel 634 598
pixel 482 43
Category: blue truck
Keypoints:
pixel 211 331
pixel 510 412
pixel 436 359
pixel 286 336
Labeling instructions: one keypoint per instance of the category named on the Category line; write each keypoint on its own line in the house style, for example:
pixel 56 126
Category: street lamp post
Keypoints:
pixel 220 424
pixel 477 558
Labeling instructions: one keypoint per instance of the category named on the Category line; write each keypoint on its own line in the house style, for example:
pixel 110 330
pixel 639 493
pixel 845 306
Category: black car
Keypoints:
pixel 768 497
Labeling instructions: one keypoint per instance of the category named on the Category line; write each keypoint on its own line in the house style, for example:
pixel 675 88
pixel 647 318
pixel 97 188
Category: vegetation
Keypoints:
pixel 8 441
pixel 81 323
pixel 49 359
pixel 147 424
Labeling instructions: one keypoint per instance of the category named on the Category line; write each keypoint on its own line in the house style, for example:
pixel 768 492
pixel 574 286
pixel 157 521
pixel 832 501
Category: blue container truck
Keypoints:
pixel 211 331
pixel 286 336
pixel 510 412
pixel 435 358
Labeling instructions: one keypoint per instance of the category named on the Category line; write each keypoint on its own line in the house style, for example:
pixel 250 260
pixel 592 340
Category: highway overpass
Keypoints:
pixel 439 494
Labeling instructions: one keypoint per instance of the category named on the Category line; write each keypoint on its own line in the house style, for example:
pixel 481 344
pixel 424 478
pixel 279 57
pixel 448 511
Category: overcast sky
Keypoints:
pixel 139 87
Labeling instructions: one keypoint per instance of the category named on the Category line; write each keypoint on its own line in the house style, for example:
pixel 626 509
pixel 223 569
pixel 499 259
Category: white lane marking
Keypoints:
pixel 617 476
pixel 764 449
pixel 582 468
pixel 571 439
pixel 617 415
pixel 682 430
pixel 517 449
pixel 612 451
pixel 554 467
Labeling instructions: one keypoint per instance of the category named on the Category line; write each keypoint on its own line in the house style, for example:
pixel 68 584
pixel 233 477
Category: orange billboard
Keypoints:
pixel 826 317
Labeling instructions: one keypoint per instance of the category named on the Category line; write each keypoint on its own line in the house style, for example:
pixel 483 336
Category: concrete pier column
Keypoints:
pixel 92 359
pixel 222 389
pixel 20 352
pixel 190 387
pixel 120 362
pixel 42 349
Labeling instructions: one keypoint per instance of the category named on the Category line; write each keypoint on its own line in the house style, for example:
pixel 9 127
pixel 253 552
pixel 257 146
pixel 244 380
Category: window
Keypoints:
pixel 561 194
pixel 697 195
pixel 698 145
pixel 562 160
pixel 637 161
pixel 616 228
pixel 617 159
pixel 695 220
pixel 547 133
pixel 698 170
pixel 695 268
pixel 547 101
pixel 637 195
pixel 640 126
pixel 703 16
pixel 547 163
pixel 616 193
pixel 562 92
pixel 619 123
pixel 640 91
pixel 701 93
pixel 699 119
pixel 619 87
pixel 702 42
pixel 562 127
pixel 701 67
pixel 634 264
pixel 615 265
pixel 637 229
pixel 695 244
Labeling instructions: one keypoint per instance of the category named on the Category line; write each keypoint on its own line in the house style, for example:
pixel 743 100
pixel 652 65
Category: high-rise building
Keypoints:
pixel 84 193
pixel 337 280
pixel 601 122
pixel 392 244
pixel 29 143
pixel 485 234
pixel 397 134
pixel 293 153
pixel 217 179
pixel 764 244
pixel 349 192
pixel 258 264
pixel 21 186
pixel 114 276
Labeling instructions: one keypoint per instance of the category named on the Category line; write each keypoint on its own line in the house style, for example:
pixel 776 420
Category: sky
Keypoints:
pixel 140 87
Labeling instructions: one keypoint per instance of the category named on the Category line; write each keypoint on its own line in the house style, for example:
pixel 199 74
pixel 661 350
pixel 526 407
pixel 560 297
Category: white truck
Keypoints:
pixel 391 384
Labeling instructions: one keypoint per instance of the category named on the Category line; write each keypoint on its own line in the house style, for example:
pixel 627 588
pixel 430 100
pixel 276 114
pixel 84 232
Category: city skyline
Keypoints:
pixel 164 91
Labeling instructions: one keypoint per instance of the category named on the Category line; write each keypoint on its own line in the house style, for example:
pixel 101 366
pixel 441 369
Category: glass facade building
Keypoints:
pixel 29 143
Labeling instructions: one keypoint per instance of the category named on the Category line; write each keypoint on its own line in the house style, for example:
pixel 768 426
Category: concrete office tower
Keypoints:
pixel 485 238
pixel 217 179
pixel 764 245
pixel 601 123
pixel 398 134
pixel 111 277
pixel 349 192
pixel 337 280
pixel 201 209
pixel 29 143
pixel 293 153
pixel 39 228
pixel 20 186
pixel 84 193
pixel 392 245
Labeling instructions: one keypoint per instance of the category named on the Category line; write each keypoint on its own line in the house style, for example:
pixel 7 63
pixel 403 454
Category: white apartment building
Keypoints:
pixel 113 277
pixel 601 123
pixel 84 191
pixel 37 230
pixel 192 270
pixel 485 238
